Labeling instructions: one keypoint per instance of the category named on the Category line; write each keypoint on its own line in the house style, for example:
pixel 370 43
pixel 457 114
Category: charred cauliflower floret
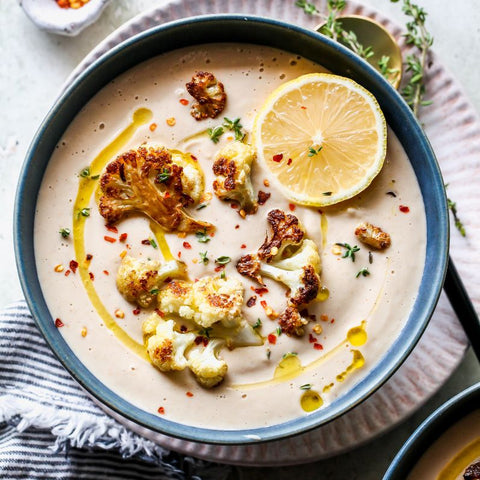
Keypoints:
pixel 209 370
pixel 232 167
pixel 209 94
pixel 472 472
pixel 147 180
pixel 166 347
pixel 206 302
pixel 289 258
pixel 138 280
pixel 373 236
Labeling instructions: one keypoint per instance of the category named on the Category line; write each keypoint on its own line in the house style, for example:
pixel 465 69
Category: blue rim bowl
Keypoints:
pixel 239 29
pixel 431 429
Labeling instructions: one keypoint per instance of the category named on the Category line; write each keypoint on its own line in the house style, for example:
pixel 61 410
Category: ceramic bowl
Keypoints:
pixel 431 429
pixel 242 29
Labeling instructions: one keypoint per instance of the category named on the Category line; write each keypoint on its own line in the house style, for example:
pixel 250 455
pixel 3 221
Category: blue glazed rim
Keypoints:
pixel 430 430
pixel 238 29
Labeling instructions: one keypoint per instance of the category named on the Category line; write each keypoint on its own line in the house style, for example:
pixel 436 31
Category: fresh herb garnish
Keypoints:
pixel 279 331
pixel 364 272
pixel 202 236
pixel 452 206
pixel 269 354
pixel 85 212
pixel 215 133
pixel 370 258
pixel 222 275
pixel 390 74
pixel 201 205
pixel 308 8
pixel 312 151
pixel 164 176
pixel 223 260
pixel 64 232
pixel 327 194
pixel 257 324
pixel 289 354
pixel 154 291
pixel 205 332
pixel 203 257
pixel 392 194
pixel 235 126
pixel 95 177
pixel 85 172
pixel 152 242
pixel 306 386
pixel 349 250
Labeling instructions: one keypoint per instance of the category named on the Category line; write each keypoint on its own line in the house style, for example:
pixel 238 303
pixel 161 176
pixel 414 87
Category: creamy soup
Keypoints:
pixel 452 453
pixel 358 319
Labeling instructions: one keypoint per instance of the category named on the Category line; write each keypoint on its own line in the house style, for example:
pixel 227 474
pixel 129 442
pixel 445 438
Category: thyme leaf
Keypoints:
pixel 349 250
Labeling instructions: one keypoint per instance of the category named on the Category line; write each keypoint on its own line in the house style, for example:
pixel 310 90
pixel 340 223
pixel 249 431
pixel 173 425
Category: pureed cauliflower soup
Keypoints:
pixel 282 363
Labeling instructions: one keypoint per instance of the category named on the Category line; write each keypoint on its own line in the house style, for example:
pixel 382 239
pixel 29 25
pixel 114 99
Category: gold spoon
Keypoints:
pixel 371 33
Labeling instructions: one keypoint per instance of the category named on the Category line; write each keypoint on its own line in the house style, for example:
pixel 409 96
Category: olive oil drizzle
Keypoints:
pixel 461 461
pixel 86 189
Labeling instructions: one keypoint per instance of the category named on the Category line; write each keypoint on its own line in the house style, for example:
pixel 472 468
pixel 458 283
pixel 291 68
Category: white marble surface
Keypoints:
pixel 34 65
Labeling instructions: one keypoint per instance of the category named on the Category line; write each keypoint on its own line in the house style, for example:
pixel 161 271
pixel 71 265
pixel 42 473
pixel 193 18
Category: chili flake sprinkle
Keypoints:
pixel 58 323
pixel 73 266
pixel 161 410
pixel 75 4
pixel 317 346
pixel 92 276
pixel 291 206
pixel 404 208
pixel 183 101
pixel 186 245
pixel 112 228
pixel 289 161
pixel 171 121
pixel 84 332
pixel 106 272
pixel 88 257
pixel 260 290
pixel 109 239
pixel 67 273
pixel 272 338
pixel 189 394
pixel 123 237
pixel 136 311
pixel 278 158
pixel 153 127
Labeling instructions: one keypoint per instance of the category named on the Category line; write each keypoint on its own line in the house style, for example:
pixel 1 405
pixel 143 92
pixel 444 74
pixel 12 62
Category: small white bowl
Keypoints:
pixel 48 16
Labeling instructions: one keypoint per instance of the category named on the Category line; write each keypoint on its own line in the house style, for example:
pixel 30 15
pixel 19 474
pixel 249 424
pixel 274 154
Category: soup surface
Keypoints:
pixel 452 453
pixel 355 324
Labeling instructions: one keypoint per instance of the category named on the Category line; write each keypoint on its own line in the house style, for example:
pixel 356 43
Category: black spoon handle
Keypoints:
pixel 462 305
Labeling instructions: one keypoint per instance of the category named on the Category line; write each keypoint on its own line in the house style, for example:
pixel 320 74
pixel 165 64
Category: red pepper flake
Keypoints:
pixel 278 157
pixel 88 257
pixel 272 338
pixel 317 346
pixel 161 410
pixel 67 273
pixel 166 195
pixel 153 127
pixel 260 290
pixel 263 197
pixel 219 268
pixel 183 101
pixel 73 266
pixel 237 227
pixel 291 206
pixel 234 206
pixel 263 303
pixel 186 245
pixel 332 320
pixel 311 338
pixel 111 228
pixel 109 239
pixel 58 323
pixel 251 301
pixel 146 241
pixel 136 311
pixel 159 313
pixel 198 340
pixel 189 394
pixel 289 161
pixel 243 245
pixel 92 276
pixel 179 254
pixel 194 158
pixel 106 272
pixel 303 107
pixel 123 237
pixel 403 208
pixel 205 341
pixel 212 234
pixel 183 328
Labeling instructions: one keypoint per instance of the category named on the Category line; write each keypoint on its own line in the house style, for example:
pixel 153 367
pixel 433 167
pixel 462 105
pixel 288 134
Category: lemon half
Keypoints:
pixel 322 136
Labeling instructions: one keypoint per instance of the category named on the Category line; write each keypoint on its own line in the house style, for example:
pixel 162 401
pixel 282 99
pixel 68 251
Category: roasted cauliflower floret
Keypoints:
pixel 139 280
pixel 166 347
pixel 147 180
pixel 206 302
pixel 289 258
pixel 209 94
pixel 373 236
pixel 232 167
pixel 209 370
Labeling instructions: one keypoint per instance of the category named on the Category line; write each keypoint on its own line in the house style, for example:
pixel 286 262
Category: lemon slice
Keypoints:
pixel 322 136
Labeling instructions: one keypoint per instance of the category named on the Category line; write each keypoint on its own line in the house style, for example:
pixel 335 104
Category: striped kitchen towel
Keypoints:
pixel 50 429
